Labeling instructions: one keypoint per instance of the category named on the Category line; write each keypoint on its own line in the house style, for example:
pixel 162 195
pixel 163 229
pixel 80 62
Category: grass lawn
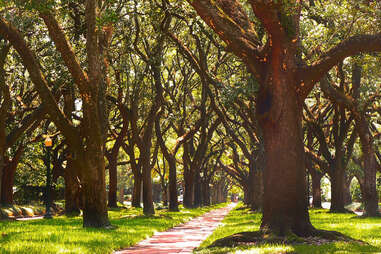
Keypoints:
pixel 66 235
pixel 368 230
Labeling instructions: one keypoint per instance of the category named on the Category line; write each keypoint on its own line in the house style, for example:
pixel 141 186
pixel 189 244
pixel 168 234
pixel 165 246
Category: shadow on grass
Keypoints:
pixel 323 242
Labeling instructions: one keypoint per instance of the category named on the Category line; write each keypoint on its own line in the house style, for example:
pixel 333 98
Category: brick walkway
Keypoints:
pixel 183 238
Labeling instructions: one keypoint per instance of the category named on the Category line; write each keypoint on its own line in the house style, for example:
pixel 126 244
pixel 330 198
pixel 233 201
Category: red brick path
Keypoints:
pixel 183 238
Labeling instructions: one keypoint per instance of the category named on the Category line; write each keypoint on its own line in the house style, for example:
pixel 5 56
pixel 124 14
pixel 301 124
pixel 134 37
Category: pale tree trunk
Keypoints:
pixel 121 194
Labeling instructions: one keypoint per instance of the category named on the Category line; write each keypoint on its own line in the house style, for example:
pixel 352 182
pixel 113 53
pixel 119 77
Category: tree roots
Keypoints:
pixel 317 237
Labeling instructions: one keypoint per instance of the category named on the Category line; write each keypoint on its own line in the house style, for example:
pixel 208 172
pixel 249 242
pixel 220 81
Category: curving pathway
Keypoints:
pixel 183 238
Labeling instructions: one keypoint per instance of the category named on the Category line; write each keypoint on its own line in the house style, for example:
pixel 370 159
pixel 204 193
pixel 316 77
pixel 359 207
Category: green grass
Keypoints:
pixel 66 235
pixel 366 229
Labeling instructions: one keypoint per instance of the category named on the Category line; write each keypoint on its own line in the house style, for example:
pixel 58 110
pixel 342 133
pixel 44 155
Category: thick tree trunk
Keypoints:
pixel 148 208
pixel 205 193
pixel 7 184
pixel 137 190
pixel 8 178
pixel 369 195
pixel 164 194
pixel 113 184
pixel 72 189
pixel 172 186
pixel 247 194
pixel 347 190
pixel 285 208
pixel 316 189
pixel 188 188
pixel 94 187
pixel 257 191
pixel 337 189
pixel 197 190
pixel 222 191
pixel 2 166
pixel 121 194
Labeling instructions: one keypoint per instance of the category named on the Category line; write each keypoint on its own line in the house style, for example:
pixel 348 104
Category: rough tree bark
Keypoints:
pixel 137 190
pixel 284 81
pixel 188 179
pixel 87 143
pixel 284 208
pixel 112 157
pixel 197 202
pixel 316 188
pixel 72 189
pixel 347 189
pixel 337 189
pixel 113 184
pixel 4 107
pixel 369 193
pixel 257 194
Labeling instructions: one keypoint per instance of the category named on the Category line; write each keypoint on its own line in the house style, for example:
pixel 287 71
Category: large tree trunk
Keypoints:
pixel 347 190
pixel 148 208
pixel 121 194
pixel 188 188
pixel 205 193
pixel 256 201
pixel 72 189
pixel 222 191
pixel 285 208
pixel 316 188
pixel 7 184
pixel 8 178
pixel 137 190
pixel 113 184
pixel 197 202
pixel 2 161
pixel 337 188
pixel 369 195
pixel 164 194
pixel 247 193
pixel 94 186
pixel 172 186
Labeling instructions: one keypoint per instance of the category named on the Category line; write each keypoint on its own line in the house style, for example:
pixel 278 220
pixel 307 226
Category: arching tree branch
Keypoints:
pixel 350 47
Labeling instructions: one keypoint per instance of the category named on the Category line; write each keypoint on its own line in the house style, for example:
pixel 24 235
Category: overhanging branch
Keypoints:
pixel 350 47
